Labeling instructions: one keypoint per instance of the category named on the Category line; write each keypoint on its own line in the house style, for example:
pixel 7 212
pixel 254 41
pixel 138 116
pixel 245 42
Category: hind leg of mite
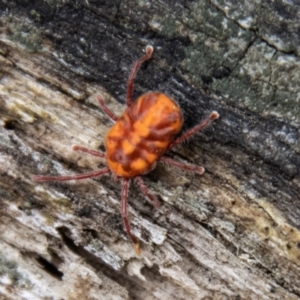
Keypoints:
pixel 124 213
pixel 139 180
pixel 43 178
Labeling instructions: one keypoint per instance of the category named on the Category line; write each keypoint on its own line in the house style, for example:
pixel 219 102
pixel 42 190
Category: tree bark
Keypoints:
pixel 232 233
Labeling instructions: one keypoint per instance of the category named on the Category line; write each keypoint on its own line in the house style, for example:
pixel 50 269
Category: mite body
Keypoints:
pixel 142 134
pixel 138 140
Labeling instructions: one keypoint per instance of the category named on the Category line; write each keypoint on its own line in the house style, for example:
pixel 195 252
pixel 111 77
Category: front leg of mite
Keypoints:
pixel 187 167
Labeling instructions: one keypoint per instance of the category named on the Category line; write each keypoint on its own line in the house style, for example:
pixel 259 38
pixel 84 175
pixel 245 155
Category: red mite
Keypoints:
pixel 137 141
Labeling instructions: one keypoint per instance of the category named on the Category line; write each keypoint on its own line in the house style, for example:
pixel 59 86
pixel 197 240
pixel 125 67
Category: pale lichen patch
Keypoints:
pixel 97 248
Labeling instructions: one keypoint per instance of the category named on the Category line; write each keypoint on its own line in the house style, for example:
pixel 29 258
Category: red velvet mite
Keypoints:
pixel 137 141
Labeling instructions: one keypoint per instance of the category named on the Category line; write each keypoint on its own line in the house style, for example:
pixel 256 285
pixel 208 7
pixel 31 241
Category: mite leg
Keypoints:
pixel 213 116
pixel 106 110
pixel 89 151
pixel 146 191
pixel 42 178
pixel 188 167
pixel 136 66
pixel 125 186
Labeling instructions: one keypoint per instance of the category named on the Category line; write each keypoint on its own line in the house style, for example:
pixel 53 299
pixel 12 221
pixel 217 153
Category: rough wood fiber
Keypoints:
pixel 232 233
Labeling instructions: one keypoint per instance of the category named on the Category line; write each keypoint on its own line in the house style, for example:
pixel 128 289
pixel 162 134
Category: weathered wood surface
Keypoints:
pixel 232 233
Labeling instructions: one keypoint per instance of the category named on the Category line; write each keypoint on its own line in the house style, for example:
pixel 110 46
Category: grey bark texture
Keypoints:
pixel 232 233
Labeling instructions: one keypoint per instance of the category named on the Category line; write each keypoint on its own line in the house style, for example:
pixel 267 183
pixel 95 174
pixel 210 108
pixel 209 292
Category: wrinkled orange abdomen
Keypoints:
pixel 142 134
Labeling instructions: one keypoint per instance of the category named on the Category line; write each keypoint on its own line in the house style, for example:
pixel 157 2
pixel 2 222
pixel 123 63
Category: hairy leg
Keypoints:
pixel 106 110
pixel 89 151
pixel 213 116
pixel 124 212
pixel 136 66
pixel 188 167
pixel 42 178
pixel 146 191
